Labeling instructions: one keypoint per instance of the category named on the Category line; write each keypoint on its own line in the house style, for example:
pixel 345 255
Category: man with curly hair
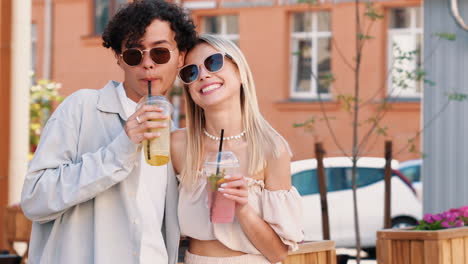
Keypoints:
pixel 90 194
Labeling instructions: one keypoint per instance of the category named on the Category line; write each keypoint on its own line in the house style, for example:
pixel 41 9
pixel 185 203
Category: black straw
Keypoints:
pixel 219 151
pixel 149 90
pixel 148 142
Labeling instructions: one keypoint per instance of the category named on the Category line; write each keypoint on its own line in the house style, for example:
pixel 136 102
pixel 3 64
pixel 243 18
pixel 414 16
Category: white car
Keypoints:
pixel 412 171
pixel 405 207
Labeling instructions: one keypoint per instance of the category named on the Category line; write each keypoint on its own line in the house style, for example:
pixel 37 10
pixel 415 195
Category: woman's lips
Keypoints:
pixel 210 88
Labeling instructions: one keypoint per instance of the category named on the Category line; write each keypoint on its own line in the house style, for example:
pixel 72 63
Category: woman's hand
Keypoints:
pixel 145 118
pixel 235 188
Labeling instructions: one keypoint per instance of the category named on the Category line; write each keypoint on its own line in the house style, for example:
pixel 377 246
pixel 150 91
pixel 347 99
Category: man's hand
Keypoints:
pixel 145 118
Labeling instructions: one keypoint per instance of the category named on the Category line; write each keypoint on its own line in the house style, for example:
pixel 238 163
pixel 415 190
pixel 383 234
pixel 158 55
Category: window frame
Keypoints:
pixel 223 27
pixel 314 36
pixel 412 30
pixel 111 12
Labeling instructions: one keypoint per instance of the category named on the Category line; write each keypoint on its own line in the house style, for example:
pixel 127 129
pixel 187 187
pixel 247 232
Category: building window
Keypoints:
pixel 223 26
pixel 405 36
pixel 103 11
pixel 310 55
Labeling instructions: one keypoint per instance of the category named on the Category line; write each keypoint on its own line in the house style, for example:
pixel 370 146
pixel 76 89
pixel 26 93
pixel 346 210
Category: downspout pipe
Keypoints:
pixel 47 62
pixel 19 98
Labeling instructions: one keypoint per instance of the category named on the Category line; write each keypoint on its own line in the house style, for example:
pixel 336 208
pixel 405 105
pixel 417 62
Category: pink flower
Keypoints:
pixel 449 216
pixel 465 213
pixel 446 224
pixel 437 217
pixel 455 217
pixel 428 218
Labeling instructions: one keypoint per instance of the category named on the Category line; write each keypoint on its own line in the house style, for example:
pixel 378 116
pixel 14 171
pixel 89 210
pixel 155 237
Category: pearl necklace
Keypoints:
pixel 224 138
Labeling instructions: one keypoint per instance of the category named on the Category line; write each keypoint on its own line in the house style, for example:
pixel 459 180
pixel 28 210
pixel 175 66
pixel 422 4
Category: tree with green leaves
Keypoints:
pixel 402 77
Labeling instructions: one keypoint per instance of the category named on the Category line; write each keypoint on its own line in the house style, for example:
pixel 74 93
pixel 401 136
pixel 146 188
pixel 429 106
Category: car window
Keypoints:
pixel 368 176
pixel 413 173
pixel 337 179
pixel 306 182
pixel 341 178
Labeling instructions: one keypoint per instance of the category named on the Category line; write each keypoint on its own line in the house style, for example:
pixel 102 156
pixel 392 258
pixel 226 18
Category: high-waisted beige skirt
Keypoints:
pixel 243 259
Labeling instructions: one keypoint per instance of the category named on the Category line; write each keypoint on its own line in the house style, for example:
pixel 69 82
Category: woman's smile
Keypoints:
pixel 210 88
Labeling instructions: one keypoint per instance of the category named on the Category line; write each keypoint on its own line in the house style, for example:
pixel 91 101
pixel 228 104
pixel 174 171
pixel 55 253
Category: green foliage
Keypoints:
pixel 405 76
pixel 379 130
pixel 308 125
pixel 310 2
pixel 371 13
pixel 296 53
pixel 361 36
pixel 431 83
pixel 446 36
pixel 412 145
pixel 459 97
pixel 402 56
pixel 346 101
pixel 327 79
pixel 382 131
pixel 423 226
pixel 43 97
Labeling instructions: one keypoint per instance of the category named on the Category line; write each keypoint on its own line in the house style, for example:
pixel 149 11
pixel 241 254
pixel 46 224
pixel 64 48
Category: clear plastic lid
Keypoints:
pixel 225 159
pixel 158 100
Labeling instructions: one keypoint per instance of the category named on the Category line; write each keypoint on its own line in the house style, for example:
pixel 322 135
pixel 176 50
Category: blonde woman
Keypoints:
pixel 220 94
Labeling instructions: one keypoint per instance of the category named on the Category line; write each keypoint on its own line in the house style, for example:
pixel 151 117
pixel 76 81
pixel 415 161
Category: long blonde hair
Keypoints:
pixel 262 139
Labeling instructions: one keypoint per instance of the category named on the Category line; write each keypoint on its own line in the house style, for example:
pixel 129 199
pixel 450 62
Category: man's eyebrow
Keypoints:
pixel 159 42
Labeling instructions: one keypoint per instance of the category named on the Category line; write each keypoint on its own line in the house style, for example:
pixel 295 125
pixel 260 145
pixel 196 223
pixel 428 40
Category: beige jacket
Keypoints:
pixel 81 185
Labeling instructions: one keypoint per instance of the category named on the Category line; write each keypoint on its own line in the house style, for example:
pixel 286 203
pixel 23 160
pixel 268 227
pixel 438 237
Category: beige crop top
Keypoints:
pixel 281 209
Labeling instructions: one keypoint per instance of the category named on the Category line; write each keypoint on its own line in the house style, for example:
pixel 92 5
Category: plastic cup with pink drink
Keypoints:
pixel 216 166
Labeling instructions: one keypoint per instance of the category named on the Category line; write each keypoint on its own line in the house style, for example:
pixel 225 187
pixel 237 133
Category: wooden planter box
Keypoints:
pixel 400 246
pixel 17 227
pixel 317 252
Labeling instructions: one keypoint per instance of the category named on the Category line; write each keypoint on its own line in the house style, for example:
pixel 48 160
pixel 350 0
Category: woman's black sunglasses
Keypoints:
pixel 213 63
pixel 134 56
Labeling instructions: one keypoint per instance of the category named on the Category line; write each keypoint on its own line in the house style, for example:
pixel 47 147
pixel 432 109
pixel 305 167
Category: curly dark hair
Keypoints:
pixel 130 23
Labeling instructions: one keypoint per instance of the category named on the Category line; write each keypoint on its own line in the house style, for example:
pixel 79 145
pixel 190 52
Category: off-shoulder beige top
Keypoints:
pixel 281 209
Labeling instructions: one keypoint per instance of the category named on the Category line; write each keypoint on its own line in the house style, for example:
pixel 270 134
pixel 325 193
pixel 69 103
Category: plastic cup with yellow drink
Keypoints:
pixel 157 150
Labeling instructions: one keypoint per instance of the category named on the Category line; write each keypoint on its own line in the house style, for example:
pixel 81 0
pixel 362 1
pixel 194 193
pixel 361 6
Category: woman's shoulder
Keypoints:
pixel 277 170
pixel 281 145
pixel 178 145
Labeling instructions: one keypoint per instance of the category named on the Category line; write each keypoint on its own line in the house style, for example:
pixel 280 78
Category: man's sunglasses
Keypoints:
pixel 213 63
pixel 134 56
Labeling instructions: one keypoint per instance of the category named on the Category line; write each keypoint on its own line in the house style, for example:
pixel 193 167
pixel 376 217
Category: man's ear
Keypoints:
pixel 181 59
pixel 119 59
